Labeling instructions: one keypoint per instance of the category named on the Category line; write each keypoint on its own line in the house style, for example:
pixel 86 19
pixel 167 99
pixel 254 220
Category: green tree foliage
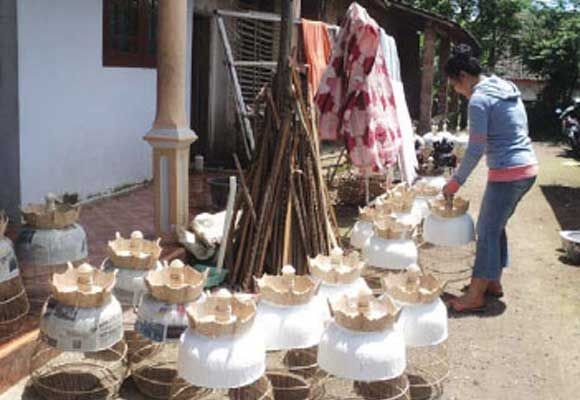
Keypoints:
pixel 550 47
pixel 495 23
pixel 497 26
pixel 543 34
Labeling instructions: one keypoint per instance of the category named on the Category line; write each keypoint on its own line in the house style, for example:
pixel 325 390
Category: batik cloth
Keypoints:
pixel 356 99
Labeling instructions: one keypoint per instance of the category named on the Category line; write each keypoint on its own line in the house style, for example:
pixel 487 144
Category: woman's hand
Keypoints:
pixel 451 187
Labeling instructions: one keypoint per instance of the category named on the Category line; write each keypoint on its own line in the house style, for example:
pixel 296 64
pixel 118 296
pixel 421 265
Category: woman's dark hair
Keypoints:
pixel 462 59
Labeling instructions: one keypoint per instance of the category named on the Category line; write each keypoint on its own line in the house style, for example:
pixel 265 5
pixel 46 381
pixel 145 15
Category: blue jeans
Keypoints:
pixel 498 205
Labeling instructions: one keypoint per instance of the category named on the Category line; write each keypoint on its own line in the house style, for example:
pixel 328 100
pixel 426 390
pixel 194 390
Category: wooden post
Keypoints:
pixel 444 50
pixel 171 136
pixel 427 74
pixel 454 110
pixel 282 94
pixel 296 14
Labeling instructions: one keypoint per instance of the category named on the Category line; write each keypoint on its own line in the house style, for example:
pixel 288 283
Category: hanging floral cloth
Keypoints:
pixel 355 97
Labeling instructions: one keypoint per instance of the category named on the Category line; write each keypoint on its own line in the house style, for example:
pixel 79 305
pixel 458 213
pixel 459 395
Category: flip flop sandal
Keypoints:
pixel 459 309
pixel 488 292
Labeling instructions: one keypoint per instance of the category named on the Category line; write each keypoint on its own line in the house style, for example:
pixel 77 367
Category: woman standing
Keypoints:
pixel 498 127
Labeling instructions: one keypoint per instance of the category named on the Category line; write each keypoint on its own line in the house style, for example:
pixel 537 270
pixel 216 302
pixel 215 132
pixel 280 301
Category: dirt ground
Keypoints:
pixel 527 345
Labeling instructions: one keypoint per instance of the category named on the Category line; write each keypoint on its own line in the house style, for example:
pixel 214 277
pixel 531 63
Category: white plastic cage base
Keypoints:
pixel 392 389
pixel 258 390
pixel 427 370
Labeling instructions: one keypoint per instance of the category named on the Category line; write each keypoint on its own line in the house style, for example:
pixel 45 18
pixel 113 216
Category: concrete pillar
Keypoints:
pixel 427 75
pixel 171 136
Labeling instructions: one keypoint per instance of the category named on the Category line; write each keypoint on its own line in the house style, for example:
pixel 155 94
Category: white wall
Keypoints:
pixel 81 125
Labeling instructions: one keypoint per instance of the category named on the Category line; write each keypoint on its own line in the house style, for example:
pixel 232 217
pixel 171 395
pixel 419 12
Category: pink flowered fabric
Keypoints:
pixel 355 97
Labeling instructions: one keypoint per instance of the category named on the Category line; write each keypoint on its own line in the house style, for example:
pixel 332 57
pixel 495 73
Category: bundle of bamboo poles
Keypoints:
pixel 286 212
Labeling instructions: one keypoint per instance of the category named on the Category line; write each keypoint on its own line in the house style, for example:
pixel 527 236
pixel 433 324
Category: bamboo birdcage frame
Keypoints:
pixel 78 376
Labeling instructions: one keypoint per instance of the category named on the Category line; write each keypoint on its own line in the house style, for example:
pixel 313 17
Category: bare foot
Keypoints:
pixel 467 303
pixel 494 289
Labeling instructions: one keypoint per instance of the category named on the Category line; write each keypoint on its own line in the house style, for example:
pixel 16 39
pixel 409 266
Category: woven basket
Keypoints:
pixel 392 389
pixel 78 376
pixel 289 386
pixel 342 389
pixel 138 346
pixel 351 188
pixel 373 277
pixel 181 390
pixel 13 307
pixel 154 369
pixel 427 369
pixel 259 390
pixel 445 265
pixel 304 362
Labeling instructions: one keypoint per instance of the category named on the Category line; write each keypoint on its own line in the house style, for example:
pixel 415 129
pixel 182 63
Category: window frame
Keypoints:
pixel 115 58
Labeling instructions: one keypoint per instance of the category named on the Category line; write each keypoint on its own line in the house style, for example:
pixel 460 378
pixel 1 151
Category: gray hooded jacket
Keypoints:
pixel 498 127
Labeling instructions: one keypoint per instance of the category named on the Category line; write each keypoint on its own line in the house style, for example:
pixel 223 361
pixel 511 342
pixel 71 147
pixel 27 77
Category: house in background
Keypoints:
pixel 77 95
pixel 78 83
pixel 513 69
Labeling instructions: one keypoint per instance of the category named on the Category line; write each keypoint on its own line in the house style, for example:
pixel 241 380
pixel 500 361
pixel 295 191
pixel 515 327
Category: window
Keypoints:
pixel 130 33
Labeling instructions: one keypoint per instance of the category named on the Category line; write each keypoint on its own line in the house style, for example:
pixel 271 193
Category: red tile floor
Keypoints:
pixel 131 211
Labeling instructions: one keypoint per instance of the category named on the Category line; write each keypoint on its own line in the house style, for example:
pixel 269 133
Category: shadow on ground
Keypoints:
pixel 494 307
pixel 565 202
pixel 568 153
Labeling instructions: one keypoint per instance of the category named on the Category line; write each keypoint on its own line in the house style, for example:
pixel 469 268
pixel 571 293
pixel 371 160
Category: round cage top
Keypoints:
pixel 399 199
pixel 222 314
pixel 134 252
pixel 449 207
pixel 364 313
pixel 287 289
pixel 53 214
pixel 176 283
pixel 412 287
pixel 83 287
pixel 392 228
pixel 368 213
pixel 336 269
pixel 428 188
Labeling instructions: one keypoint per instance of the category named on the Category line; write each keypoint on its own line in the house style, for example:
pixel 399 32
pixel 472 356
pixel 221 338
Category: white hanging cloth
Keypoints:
pixel 407 157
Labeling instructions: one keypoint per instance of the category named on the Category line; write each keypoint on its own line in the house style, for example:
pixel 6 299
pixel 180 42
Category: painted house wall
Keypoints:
pixel 81 124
